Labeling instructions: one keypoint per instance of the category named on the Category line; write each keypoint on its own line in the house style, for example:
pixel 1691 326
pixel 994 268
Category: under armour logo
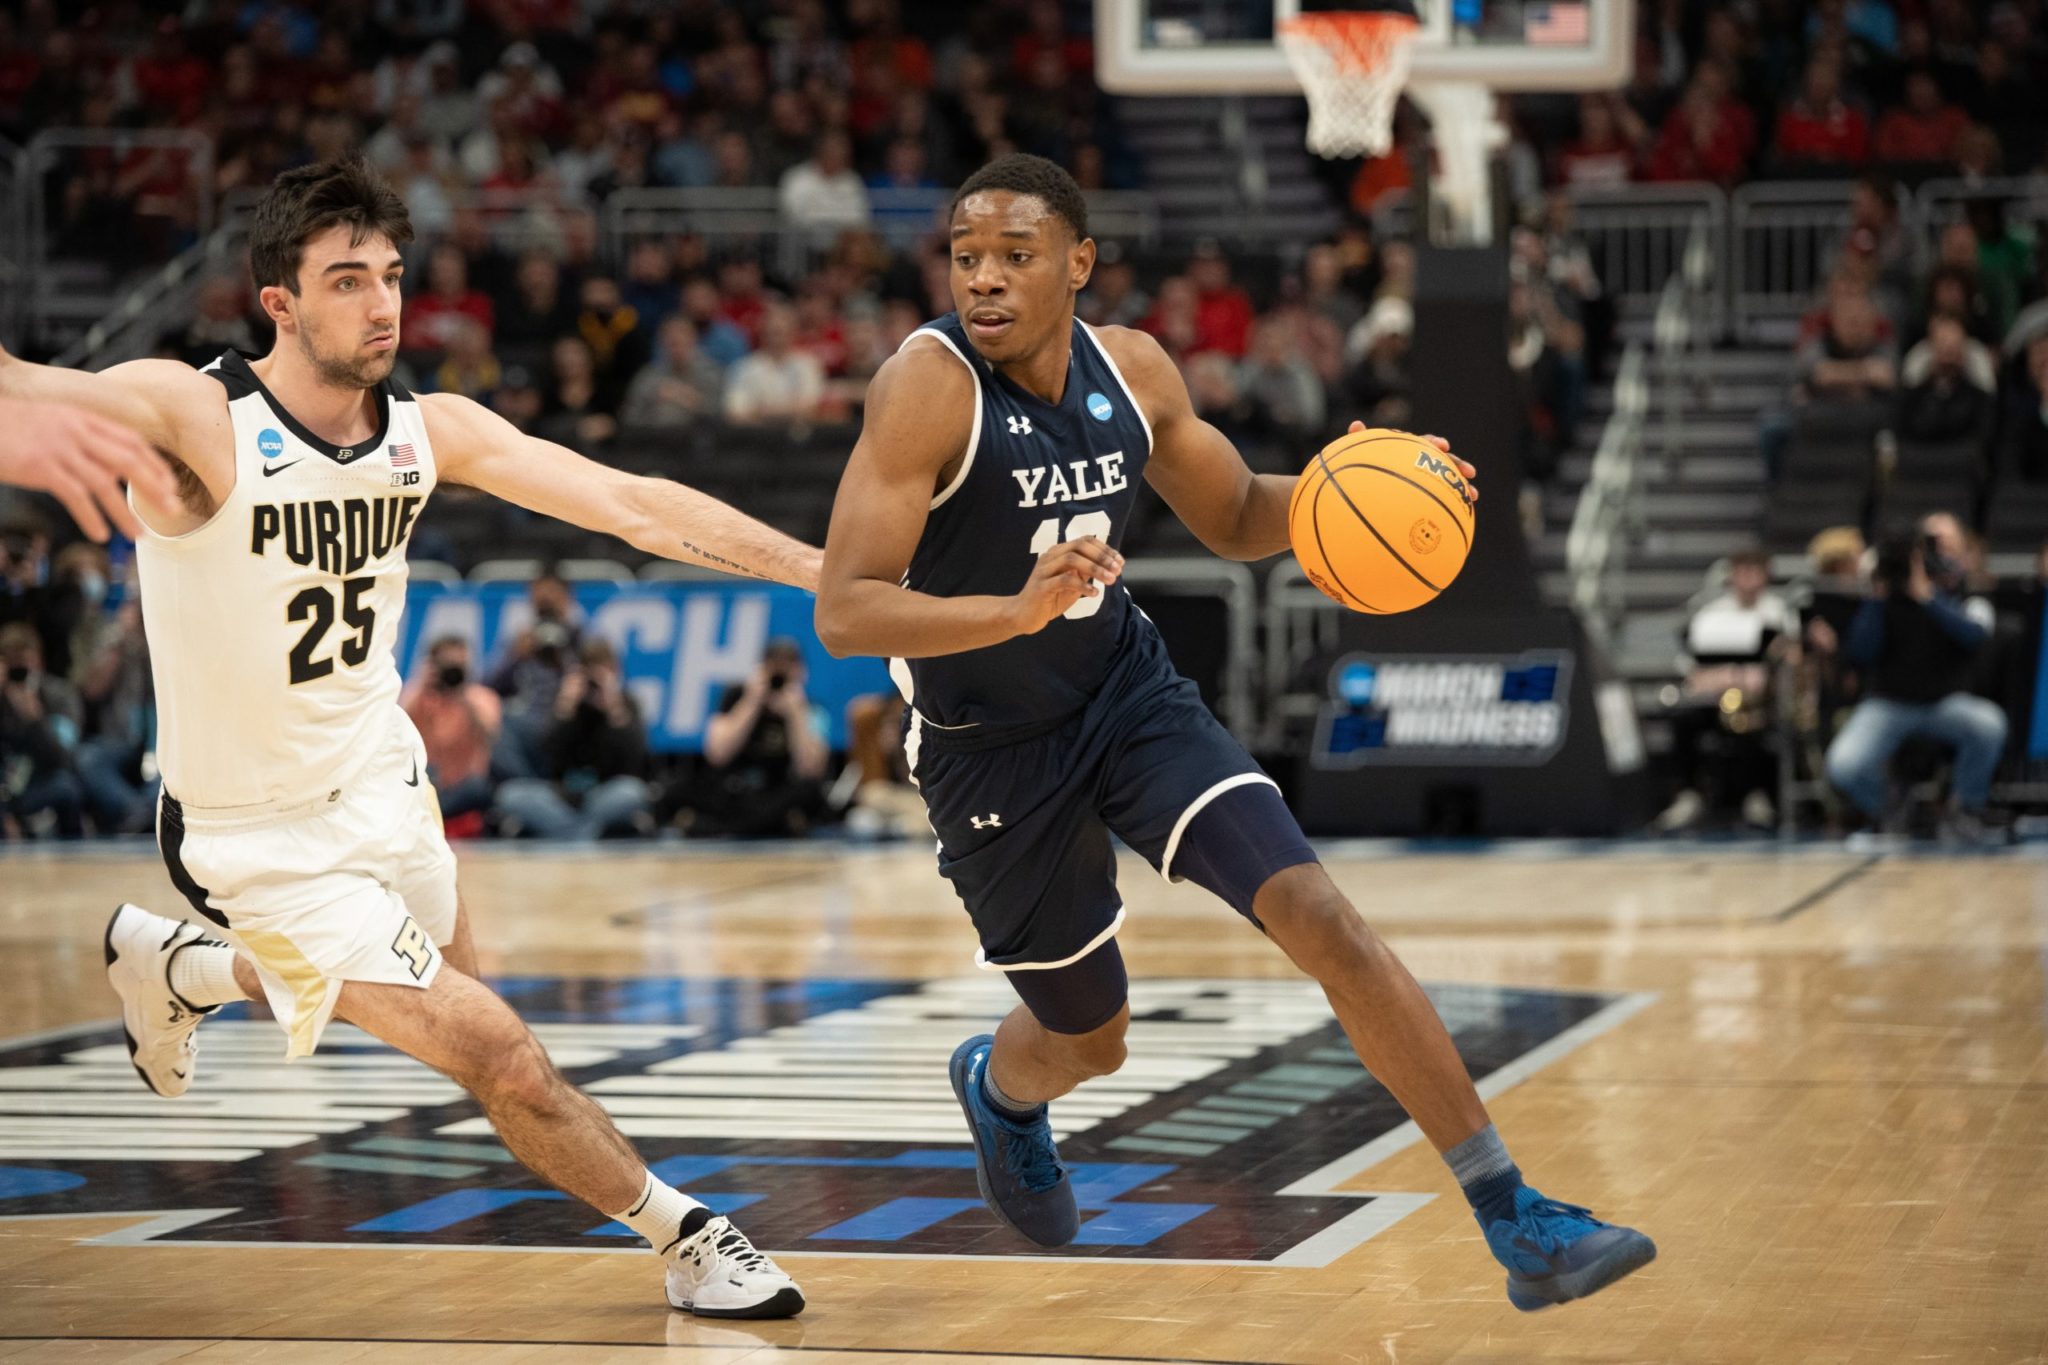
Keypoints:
pixel 989 822
pixel 1020 426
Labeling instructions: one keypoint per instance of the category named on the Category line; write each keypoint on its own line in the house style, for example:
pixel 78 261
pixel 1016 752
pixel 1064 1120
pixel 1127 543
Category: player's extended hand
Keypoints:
pixel 1064 575
pixel 1471 488
pixel 81 458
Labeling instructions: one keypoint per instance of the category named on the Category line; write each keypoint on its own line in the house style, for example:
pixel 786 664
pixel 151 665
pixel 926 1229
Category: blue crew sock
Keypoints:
pixel 1487 1174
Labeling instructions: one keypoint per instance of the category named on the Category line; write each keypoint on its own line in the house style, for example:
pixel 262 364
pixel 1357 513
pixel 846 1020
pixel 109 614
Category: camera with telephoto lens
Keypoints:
pixel 1894 567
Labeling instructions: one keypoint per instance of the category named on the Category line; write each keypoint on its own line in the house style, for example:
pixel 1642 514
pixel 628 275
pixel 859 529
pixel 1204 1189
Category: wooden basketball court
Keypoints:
pixel 1817 1079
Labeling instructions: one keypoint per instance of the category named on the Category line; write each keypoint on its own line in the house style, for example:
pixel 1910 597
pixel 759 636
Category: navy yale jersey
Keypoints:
pixel 1035 474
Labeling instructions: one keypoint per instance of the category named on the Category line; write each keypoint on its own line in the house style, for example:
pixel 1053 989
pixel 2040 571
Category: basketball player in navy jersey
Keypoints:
pixel 974 543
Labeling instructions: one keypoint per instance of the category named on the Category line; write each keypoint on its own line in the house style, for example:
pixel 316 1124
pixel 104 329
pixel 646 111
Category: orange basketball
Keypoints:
pixel 1380 522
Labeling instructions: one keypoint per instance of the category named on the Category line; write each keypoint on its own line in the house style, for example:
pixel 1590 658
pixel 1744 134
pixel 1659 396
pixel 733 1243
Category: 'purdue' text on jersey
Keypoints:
pixel 272 627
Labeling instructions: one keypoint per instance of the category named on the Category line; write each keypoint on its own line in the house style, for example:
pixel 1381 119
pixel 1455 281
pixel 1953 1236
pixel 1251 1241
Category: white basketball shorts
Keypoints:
pixel 354 884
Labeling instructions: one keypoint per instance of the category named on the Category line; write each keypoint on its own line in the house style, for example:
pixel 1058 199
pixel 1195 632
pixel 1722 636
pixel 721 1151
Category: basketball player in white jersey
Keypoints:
pixel 296 817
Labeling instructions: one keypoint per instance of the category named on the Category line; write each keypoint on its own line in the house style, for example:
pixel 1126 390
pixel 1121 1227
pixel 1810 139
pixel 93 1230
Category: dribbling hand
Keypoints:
pixel 1064 575
pixel 1471 488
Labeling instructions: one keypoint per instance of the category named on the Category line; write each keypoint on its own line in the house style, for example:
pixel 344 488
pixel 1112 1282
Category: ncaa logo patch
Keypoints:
pixel 269 443
pixel 1098 407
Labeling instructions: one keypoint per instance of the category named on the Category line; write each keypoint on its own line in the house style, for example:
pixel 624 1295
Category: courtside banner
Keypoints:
pixel 680 644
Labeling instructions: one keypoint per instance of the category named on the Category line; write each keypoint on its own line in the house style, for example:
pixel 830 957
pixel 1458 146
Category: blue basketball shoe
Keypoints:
pixel 1015 1163
pixel 1555 1253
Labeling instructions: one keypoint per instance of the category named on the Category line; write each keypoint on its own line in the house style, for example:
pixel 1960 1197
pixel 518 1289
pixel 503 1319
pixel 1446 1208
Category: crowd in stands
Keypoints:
pixel 507 123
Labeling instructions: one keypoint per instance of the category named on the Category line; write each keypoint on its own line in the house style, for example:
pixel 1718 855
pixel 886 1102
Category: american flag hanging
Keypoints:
pixel 1555 23
pixel 402 457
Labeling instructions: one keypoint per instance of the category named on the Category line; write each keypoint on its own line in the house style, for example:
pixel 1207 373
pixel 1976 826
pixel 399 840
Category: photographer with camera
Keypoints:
pixel 529 676
pixel 594 760
pixel 1916 648
pixel 458 719
pixel 40 721
pixel 765 753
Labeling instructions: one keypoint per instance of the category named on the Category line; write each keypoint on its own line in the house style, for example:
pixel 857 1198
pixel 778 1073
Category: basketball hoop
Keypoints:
pixel 1352 67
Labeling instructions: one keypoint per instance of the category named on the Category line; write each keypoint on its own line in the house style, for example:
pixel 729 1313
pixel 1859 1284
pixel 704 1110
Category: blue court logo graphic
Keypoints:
pixel 269 443
pixel 1098 407
pixel 816 1111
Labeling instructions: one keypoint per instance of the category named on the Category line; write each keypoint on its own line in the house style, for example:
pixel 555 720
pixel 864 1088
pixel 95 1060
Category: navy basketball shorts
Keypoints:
pixel 1024 836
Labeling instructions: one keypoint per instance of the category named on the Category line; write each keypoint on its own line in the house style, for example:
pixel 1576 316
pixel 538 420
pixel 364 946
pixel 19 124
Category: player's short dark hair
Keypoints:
pixel 304 202
pixel 1750 559
pixel 1022 173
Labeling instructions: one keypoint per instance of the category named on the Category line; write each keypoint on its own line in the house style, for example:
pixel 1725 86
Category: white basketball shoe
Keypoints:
pixel 161 1028
pixel 714 1272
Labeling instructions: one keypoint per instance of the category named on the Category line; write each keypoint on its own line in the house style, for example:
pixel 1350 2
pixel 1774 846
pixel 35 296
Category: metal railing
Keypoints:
pixel 1641 236
pixel 43 155
pixel 1782 238
pixel 1608 518
pixel 1596 546
pixel 730 218
pixel 1233 585
pixel 1637 235
pixel 155 306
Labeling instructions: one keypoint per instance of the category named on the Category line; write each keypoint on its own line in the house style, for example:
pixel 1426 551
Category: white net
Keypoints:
pixel 1352 68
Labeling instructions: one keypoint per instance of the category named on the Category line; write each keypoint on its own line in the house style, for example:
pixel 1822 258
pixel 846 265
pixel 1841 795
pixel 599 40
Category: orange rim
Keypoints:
pixel 1357 41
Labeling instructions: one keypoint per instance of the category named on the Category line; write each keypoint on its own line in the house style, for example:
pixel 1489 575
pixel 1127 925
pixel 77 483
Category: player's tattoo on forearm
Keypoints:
pixel 722 562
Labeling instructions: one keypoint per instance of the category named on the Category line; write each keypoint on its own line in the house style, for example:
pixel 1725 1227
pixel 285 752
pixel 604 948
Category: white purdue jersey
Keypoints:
pixel 272 628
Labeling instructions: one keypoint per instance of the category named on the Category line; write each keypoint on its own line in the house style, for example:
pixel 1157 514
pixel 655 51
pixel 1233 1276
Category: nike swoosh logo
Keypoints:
pixel 414 780
pixel 270 469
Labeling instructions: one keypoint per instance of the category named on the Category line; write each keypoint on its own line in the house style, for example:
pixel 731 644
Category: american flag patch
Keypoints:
pixel 402 457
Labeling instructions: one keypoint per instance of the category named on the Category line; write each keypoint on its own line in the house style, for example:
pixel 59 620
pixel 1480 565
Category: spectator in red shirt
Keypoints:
pixel 429 316
pixel 818 328
pixel 1223 312
pixel 1820 127
pixel 1709 136
pixel 168 78
pixel 458 719
pixel 1605 153
pixel 739 284
pixel 1173 319
pixel 1926 128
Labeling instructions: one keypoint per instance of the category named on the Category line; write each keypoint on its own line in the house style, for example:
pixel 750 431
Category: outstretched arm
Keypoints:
pixel 477 447
pixel 81 459
pixel 1195 468
pixel 79 435
pixel 919 413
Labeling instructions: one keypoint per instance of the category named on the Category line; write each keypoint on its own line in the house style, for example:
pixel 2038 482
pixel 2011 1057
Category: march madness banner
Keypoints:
pixel 680 644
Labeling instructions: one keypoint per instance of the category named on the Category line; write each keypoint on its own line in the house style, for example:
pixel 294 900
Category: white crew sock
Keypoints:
pixel 203 975
pixel 658 1214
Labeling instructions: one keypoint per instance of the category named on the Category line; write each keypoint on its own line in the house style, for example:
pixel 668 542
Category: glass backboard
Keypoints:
pixel 1164 47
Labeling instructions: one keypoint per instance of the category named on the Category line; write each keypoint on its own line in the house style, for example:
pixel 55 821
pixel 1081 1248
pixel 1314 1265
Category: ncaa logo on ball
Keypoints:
pixel 1098 407
pixel 1423 536
pixel 269 443
pixel 1443 469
